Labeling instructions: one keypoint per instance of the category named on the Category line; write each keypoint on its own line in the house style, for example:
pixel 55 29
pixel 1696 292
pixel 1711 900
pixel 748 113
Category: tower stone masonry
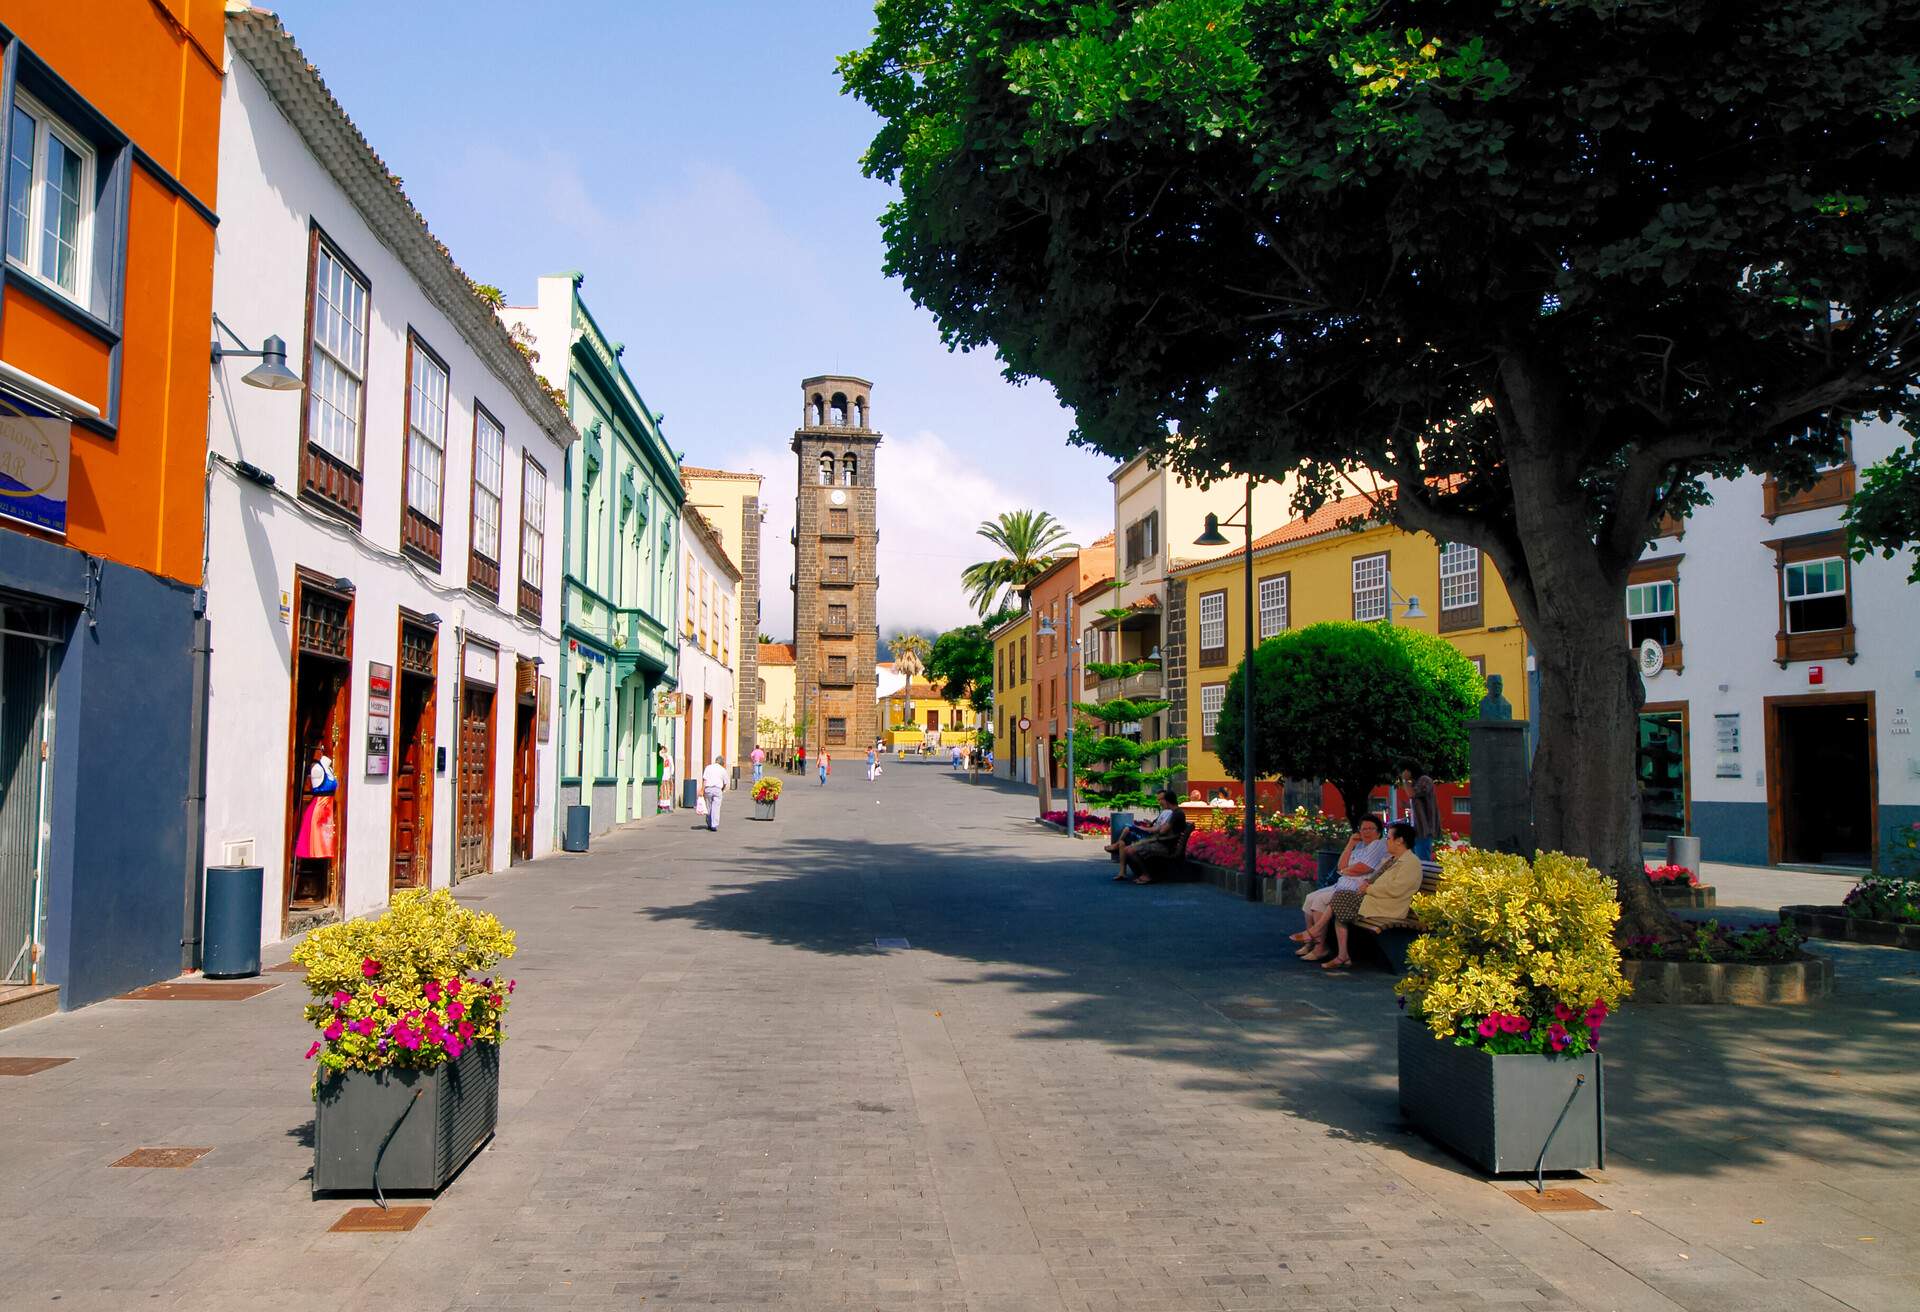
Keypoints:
pixel 836 583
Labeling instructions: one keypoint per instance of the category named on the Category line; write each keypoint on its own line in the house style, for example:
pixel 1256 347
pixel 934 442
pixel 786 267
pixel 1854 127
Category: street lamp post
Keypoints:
pixel 1046 627
pixel 1413 613
pixel 1249 808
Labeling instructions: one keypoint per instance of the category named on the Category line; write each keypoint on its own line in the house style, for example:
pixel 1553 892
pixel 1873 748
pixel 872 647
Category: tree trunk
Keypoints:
pixel 1572 601
pixel 1354 795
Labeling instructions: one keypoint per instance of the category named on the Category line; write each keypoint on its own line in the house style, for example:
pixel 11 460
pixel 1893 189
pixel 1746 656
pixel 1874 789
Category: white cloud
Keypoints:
pixel 932 501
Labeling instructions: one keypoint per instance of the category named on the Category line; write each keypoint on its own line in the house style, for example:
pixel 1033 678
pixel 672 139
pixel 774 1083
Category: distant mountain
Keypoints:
pixel 885 653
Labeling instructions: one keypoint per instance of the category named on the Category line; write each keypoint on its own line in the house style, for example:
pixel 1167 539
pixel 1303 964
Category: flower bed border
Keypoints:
pixel 1687 897
pixel 1273 892
pixel 1834 923
pixel 1729 983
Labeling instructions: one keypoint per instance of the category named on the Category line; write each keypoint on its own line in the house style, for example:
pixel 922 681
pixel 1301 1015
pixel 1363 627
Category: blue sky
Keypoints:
pixel 698 163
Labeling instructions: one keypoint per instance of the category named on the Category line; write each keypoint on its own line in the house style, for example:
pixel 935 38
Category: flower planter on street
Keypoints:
pixel 1498 1111
pixel 438 1120
pixel 763 810
pixel 766 793
pixel 1733 983
pixel 1837 923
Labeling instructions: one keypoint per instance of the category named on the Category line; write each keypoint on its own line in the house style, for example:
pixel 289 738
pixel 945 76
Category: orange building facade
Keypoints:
pixel 1059 676
pixel 109 134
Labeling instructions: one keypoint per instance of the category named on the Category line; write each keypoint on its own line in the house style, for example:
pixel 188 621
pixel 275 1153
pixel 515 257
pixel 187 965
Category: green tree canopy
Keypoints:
pixel 1029 542
pixel 1885 514
pixel 1530 269
pixel 1352 704
pixel 962 662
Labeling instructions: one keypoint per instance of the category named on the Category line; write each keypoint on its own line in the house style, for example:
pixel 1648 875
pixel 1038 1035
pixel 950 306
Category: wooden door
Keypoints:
pixel 526 787
pixel 413 784
pixel 473 824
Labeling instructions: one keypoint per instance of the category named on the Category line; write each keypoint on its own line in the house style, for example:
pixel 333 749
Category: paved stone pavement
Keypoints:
pixel 1061 1094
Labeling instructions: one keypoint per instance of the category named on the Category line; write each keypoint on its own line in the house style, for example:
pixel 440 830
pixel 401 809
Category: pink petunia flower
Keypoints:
pixel 432 990
pixel 334 1030
pixel 310 1051
pixel 1557 1035
pixel 340 1001
pixel 1489 1027
pixel 369 967
pixel 455 1010
pixel 1561 1011
pixel 455 1047
pixel 466 1029
pixel 453 985
pixel 512 984
pixel 405 1037
pixel 1516 1024
pixel 379 999
pixel 364 1025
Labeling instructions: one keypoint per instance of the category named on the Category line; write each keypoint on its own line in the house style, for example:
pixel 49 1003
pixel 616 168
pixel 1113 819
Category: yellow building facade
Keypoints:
pixel 1313 570
pixel 1012 688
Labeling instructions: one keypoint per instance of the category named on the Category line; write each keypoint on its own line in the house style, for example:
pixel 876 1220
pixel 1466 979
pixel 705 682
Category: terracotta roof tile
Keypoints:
pixel 1324 520
pixel 695 471
pixel 776 653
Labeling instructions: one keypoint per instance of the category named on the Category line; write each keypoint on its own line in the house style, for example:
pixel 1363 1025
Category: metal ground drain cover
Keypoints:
pixel 163 1157
pixel 198 992
pixel 891 943
pixel 30 1065
pixel 1556 1200
pixel 378 1220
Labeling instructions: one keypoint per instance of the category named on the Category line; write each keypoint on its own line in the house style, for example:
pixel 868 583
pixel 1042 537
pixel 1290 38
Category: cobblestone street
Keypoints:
pixel 730 1084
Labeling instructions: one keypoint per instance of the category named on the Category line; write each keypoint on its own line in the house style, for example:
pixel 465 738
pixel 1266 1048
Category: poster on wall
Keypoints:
pixel 379 718
pixel 1726 746
pixel 35 444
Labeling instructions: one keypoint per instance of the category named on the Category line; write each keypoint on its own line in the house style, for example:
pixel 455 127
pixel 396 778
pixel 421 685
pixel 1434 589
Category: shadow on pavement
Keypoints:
pixel 1183 973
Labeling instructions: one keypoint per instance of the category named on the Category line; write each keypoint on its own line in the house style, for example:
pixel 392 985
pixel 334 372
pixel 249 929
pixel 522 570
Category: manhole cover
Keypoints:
pixel 30 1065
pixel 160 1157
pixel 378 1220
pixel 891 943
pixel 198 992
pixel 1556 1200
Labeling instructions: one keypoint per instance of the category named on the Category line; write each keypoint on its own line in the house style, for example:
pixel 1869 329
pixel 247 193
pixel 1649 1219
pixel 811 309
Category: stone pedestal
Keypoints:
pixel 1502 786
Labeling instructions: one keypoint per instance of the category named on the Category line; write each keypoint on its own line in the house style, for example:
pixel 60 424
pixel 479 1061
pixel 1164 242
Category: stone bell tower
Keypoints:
pixel 836 621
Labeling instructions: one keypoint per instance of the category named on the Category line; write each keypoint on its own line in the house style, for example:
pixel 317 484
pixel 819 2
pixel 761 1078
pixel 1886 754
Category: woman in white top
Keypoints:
pixel 1365 853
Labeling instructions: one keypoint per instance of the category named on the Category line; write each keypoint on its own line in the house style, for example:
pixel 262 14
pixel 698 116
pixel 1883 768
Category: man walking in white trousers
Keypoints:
pixel 713 783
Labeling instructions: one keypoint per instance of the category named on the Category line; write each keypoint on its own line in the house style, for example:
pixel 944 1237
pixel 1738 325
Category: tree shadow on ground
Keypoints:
pixel 1185 974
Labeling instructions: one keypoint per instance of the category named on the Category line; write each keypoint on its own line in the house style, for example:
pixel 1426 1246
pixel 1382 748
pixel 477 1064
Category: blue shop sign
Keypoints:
pixel 35 448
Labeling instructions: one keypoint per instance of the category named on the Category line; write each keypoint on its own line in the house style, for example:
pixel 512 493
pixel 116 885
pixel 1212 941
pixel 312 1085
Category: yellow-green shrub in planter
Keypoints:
pixel 1506 991
pixel 410 1023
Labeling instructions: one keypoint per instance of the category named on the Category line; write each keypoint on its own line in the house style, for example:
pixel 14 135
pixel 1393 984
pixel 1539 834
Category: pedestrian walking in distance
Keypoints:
pixel 873 765
pixel 759 758
pixel 826 767
pixel 713 782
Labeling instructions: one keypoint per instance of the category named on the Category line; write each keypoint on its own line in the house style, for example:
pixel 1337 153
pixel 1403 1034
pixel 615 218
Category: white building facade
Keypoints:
pixel 384 554
pixel 1781 677
pixel 709 649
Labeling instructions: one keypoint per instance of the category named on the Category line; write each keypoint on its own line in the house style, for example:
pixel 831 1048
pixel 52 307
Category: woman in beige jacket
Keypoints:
pixel 1388 895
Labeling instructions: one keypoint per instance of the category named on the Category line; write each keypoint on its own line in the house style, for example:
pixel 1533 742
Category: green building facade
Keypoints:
pixel 620 595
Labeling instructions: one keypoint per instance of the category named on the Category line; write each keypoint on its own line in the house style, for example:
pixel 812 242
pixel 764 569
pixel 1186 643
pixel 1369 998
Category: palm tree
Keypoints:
pixel 909 658
pixel 1029 541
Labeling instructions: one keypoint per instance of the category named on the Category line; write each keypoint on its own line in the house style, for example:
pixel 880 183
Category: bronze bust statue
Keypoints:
pixel 1493 706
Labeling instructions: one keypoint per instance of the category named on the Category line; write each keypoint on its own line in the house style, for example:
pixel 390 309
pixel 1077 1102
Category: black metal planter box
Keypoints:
pixel 439 1132
pixel 1498 1111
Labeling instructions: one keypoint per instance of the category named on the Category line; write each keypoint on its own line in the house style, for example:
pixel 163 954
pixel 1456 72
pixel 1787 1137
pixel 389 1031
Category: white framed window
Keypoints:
pixel 489 445
pixel 1459 576
pixel 426 432
pixel 1651 612
pixel 1213 621
pixel 337 373
pixel 50 191
pixel 1212 697
pixel 1816 594
pixel 533 524
pixel 1369 588
pixel 1273 605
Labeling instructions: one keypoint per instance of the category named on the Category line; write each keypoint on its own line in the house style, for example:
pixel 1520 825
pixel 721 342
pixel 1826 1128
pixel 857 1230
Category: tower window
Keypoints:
pixel 839 412
pixel 816 411
pixel 849 470
pixel 826 470
pixel 859 412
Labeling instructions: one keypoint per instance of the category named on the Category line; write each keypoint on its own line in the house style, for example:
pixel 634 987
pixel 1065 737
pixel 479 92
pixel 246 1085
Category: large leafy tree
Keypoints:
pixel 1352 704
pixel 1524 271
pixel 962 661
pixel 1029 542
pixel 1885 513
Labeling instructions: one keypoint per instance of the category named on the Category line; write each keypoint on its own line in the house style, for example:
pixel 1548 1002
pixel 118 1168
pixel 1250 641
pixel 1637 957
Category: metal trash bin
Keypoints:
pixel 230 922
pixel 1117 825
pixel 689 794
pixel 1684 850
pixel 579 817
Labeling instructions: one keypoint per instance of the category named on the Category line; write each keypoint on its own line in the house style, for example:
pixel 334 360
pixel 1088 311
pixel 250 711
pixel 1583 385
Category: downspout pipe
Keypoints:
pixel 191 885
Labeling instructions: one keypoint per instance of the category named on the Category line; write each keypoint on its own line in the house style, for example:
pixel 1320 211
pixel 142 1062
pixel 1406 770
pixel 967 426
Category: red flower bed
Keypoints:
pixel 1672 875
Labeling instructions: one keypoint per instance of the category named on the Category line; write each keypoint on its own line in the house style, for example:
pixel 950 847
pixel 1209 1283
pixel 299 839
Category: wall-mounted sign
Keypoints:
pixel 1726 746
pixel 35 446
pixel 480 664
pixel 544 714
pixel 666 704
pixel 1025 724
pixel 1816 674
pixel 286 607
pixel 1653 657
pixel 379 718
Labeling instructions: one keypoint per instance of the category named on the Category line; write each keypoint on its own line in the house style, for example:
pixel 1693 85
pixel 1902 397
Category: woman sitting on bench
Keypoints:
pixel 1365 853
pixel 1156 839
pixel 1388 895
